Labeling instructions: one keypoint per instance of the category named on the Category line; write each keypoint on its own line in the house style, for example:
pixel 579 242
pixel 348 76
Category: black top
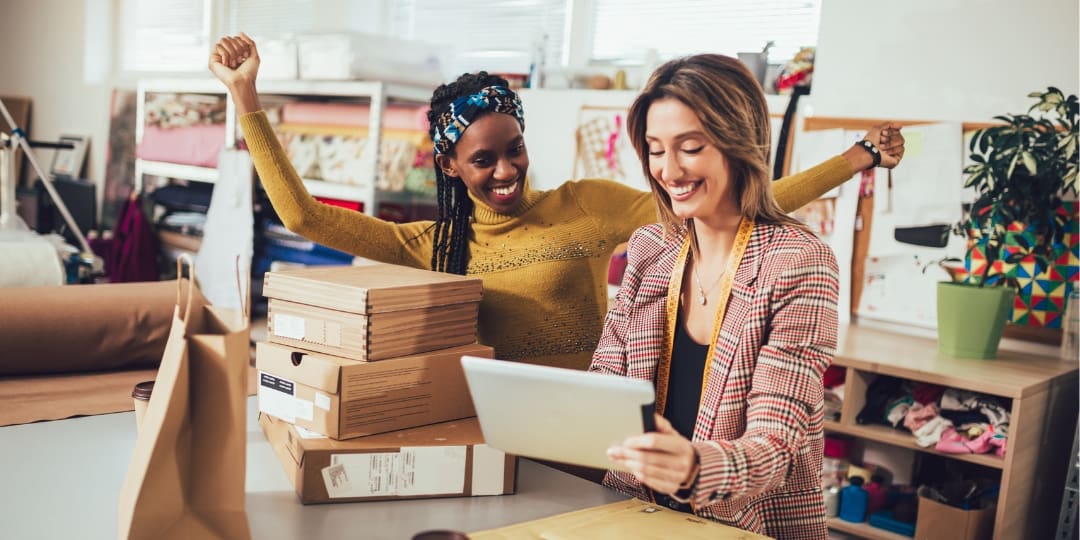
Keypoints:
pixel 684 381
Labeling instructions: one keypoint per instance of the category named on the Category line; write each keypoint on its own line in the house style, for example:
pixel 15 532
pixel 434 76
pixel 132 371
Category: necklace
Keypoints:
pixel 703 298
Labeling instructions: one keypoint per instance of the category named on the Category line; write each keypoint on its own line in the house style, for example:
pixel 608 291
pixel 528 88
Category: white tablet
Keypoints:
pixel 557 414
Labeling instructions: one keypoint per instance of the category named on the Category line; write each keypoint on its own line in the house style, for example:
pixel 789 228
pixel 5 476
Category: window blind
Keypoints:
pixel 626 29
pixel 496 35
pixel 165 35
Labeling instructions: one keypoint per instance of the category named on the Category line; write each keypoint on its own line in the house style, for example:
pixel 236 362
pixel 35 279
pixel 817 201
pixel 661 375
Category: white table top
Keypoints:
pixel 62 480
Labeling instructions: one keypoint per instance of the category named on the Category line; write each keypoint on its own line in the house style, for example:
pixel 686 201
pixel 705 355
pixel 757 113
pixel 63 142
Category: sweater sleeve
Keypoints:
pixel 618 209
pixel 622 209
pixel 786 392
pixel 408 244
pixel 795 191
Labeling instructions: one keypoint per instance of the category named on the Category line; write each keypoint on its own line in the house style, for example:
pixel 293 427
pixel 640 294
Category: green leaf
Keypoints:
pixel 1029 163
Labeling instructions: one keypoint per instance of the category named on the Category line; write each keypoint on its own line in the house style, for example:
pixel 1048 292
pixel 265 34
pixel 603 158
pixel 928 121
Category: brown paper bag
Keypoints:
pixel 186 477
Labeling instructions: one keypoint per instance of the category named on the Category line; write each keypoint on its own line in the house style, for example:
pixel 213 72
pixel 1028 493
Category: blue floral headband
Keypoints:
pixel 451 124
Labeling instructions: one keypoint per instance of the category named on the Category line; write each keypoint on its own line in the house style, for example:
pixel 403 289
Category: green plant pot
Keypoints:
pixel 971 319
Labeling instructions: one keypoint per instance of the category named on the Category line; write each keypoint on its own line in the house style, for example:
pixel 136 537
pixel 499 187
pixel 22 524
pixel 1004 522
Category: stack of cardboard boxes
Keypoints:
pixel 361 391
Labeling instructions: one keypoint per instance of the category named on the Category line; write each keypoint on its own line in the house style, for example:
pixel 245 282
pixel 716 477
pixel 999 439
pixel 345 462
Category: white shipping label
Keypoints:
pixel 488 470
pixel 288 326
pixel 322 401
pixel 277 397
pixel 305 410
pixel 436 470
pixel 337 482
pixel 308 434
pixel 432 470
pixel 361 475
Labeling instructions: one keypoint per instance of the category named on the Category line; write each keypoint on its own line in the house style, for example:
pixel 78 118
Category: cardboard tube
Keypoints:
pixel 79 328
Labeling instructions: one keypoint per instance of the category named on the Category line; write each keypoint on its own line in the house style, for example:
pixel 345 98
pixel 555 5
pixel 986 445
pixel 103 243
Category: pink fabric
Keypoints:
pixel 193 145
pixel 354 114
pixel 918 415
pixel 837 448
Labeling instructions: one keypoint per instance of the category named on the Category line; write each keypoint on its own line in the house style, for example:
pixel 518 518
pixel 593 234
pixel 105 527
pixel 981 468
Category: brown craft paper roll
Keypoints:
pixel 79 328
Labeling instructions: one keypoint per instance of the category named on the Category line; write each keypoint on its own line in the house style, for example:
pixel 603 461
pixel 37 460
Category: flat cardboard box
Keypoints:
pixel 441 460
pixel 371 337
pixel 936 520
pixel 371 288
pixel 344 398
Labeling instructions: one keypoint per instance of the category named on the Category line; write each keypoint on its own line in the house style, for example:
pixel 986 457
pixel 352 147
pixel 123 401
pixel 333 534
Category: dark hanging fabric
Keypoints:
pixel 132 254
pixel 785 129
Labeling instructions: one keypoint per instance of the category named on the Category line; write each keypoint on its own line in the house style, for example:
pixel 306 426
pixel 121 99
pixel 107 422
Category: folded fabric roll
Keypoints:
pixel 197 145
pixel 82 328
pixel 32 262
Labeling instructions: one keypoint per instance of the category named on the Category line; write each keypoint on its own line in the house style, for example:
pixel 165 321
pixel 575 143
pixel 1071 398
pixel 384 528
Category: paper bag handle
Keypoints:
pixel 244 292
pixel 180 261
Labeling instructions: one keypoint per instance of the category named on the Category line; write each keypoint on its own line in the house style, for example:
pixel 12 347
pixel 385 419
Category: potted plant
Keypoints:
pixel 1020 170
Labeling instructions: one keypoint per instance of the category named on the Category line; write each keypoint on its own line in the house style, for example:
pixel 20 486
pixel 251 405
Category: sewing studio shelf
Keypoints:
pixel 904 439
pixel 375 93
pixel 1043 394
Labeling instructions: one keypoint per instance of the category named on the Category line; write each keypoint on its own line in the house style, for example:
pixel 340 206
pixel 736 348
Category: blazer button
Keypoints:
pixel 714 496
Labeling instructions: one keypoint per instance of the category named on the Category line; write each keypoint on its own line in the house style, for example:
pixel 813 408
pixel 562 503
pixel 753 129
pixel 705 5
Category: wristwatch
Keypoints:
pixel 874 152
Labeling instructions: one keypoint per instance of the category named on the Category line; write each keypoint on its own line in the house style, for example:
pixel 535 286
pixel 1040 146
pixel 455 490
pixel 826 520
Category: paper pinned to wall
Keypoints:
pixel 814 147
pixel 928 188
pixel 832 217
pixel 604 149
pixel 229 231
pixel 900 282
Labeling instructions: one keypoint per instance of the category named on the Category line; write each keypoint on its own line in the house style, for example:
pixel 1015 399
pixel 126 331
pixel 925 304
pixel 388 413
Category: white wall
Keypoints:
pixel 44 56
pixel 942 60
pixel 551 120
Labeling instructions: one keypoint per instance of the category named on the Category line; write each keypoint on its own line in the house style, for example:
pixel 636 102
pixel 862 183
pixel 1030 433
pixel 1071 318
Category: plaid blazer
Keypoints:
pixel 759 430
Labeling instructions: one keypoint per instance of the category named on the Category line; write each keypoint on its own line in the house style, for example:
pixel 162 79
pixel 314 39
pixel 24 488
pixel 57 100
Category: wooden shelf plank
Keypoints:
pixel 1012 374
pixel 893 437
pixel 332 190
pixel 864 530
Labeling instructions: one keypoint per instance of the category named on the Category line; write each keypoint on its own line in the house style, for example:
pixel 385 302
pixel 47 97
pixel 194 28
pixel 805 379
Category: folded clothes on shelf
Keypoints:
pixel 194 197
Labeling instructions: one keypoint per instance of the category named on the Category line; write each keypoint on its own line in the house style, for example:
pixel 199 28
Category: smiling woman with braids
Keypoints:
pixel 543 255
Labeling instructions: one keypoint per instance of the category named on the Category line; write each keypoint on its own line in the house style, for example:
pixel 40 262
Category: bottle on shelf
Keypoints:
pixel 832 500
pixel 876 492
pixel 853 501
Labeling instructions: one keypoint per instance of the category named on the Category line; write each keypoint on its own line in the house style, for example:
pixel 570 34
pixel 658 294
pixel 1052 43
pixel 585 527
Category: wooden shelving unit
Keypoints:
pixel 376 93
pixel 905 440
pixel 1043 393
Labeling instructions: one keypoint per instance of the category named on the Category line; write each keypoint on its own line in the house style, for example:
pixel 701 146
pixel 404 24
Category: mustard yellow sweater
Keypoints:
pixel 544 267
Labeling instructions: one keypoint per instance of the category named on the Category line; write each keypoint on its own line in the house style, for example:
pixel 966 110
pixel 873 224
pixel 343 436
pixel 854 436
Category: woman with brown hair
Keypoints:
pixel 729 306
pixel 543 255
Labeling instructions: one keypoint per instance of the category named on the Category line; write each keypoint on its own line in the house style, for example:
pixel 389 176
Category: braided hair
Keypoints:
pixel 450 252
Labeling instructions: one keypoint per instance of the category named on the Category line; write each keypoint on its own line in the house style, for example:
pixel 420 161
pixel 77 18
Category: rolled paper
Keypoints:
pixel 81 328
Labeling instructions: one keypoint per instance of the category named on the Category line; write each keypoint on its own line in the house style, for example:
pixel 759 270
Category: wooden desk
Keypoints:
pixel 1043 391
pixel 62 480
